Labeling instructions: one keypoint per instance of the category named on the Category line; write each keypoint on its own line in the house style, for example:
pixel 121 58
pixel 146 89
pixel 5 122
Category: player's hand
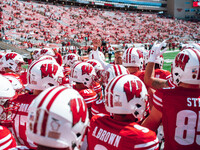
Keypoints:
pixel 155 51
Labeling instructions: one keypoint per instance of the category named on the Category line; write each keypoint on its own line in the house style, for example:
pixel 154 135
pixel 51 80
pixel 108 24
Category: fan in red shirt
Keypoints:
pixel 126 99
pixel 178 108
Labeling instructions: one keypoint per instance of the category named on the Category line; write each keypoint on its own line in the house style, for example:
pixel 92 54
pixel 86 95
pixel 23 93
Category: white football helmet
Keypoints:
pixel 47 51
pixel 47 57
pixel 69 59
pixel 7 94
pixel 132 57
pixel 112 72
pixel 36 53
pixel 15 81
pixel 57 118
pixel 13 61
pixel 43 74
pixel 127 94
pixel 83 72
pixel 185 67
pixel 97 66
pixel 7 91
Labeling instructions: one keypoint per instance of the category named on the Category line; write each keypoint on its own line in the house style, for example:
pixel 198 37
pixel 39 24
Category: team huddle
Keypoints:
pixel 73 103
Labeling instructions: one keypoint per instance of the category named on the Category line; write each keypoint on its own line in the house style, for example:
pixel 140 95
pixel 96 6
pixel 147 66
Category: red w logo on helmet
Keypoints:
pixel 132 88
pixel 181 60
pixel 70 57
pixel 48 70
pixel 92 63
pixel 140 54
pixel 10 56
pixel 43 51
pixel 79 110
pixel 86 69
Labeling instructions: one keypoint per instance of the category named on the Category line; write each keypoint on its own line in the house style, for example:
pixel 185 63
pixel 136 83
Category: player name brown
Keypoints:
pixel 106 136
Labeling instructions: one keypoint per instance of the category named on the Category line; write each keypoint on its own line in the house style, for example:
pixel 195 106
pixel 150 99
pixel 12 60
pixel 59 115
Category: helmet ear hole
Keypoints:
pixel 86 79
pixel 78 134
pixel 50 84
pixel 138 105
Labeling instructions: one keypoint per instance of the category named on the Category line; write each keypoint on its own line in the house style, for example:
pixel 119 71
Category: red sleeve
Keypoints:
pixel 89 96
pixel 59 58
pixel 157 100
pixel 23 77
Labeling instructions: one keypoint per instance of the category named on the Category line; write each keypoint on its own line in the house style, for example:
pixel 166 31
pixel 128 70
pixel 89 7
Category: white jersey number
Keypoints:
pixel 187 126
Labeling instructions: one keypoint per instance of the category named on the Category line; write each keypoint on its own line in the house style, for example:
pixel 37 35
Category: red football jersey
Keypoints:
pixel 7 140
pixel 58 58
pixel 88 95
pixel 106 133
pixel 162 74
pixel 181 117
pixel 139 74
pixel 66 71
pixel 23 77
pixel 99 107
pixel 97 87
pixel 170 82
pixel 19 123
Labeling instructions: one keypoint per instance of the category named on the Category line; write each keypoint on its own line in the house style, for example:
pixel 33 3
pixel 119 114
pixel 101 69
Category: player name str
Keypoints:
pixel 106 136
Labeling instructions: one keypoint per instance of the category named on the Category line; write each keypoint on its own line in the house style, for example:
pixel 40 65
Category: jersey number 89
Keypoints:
pixel 187 126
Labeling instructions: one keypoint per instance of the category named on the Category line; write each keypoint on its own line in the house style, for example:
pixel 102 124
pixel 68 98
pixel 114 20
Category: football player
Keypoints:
pixel 126 98
pixel 12 63
pixel 57 119
pixel 178 107
pixel 83 75
pixel 42 74
pixel 68 61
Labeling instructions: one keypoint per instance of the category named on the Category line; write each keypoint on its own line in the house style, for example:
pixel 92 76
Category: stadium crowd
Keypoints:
pixel 31 24
pixel 70 102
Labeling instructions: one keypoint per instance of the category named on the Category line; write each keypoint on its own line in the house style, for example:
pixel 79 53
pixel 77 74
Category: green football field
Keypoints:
pixel 168 59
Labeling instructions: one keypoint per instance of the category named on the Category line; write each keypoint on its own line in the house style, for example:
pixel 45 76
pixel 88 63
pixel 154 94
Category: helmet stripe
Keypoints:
pixel 127 55
pixel 120 70
pixel 46 114
pixel 130 55
pixel 111 90
pixel 37 115
pixel 198 56
pixel 115 69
